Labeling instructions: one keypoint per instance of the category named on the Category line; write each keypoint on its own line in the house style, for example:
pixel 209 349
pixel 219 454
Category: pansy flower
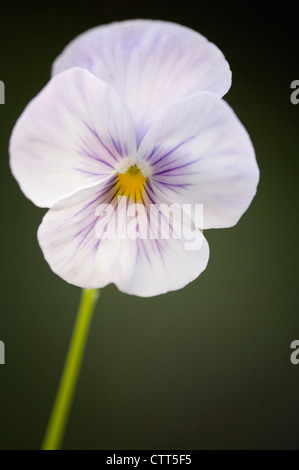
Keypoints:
pixel 133 117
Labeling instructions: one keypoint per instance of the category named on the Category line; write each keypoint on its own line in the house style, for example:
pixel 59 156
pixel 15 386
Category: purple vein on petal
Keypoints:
pixel 159 246
pixel 88 150
pixel 100 140
pixel 173 150
pixel 91 173
pixel 108 186
pixel 87 205
pixel 154 150
pixel 96 245
pixel 150 187
pixel 117 146
pixel 139 242
pixel 88 231
pixel 94 157
pixel 176 185
pixel 175 168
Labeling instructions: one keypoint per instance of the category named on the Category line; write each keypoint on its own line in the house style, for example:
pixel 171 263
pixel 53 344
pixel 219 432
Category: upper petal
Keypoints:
pixel 200 153
pixel 150 63
pixel 70 137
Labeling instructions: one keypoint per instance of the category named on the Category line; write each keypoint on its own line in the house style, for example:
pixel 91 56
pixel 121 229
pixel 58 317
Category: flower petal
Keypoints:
pixel 200 153
pixel 164 265
pixel 150 63
pixel 70 240
pixel 70 137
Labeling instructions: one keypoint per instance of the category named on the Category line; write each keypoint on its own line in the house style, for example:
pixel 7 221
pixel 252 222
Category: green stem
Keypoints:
pixel 63 402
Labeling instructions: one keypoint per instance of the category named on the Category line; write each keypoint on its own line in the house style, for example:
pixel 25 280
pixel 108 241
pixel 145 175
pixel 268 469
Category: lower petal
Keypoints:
pixel 72 240
pixel 165 265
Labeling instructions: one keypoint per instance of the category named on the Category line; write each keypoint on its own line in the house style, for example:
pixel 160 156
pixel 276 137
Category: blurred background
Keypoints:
pixel 207 367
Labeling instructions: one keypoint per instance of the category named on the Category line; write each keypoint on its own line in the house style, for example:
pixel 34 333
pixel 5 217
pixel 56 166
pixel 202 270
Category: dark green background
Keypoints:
pixel 207 367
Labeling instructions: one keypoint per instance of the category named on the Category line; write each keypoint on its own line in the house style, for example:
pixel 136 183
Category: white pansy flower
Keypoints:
pixel 137 122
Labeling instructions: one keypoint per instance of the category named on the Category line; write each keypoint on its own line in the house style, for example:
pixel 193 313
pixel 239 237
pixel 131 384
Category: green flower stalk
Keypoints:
pixel 65 395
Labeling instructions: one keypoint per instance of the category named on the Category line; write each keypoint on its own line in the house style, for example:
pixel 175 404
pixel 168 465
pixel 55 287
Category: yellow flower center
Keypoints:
pixel 131 184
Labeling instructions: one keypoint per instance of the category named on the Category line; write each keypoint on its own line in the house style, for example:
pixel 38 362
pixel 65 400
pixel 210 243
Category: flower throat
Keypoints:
pixel 131 184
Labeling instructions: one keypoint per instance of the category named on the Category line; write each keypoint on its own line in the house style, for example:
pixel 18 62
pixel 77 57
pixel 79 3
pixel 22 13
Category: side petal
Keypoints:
pixel 150 64
pixel 70 137
pixel 69 238
pixel 200 153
